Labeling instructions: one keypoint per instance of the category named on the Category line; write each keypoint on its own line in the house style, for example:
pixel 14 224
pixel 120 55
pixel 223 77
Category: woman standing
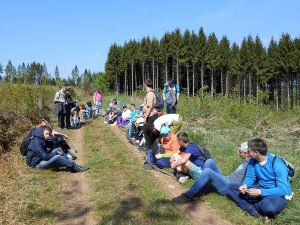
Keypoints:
pixel 98 95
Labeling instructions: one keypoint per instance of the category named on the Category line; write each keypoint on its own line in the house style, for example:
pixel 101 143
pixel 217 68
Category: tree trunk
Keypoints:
pixel 187 81
pixel 153 78
pixel 177 72
pixel 212 83
pixel 202 77
pixel 193 79
pixel 135 78
pixel 245 89
pixel 288 94
pixel 116 84
pixel 250 87
pixel 143 72
pixel 157 84
pixel 257 92
pixel 166 69
pixel 226 84
pixel 132 76
pixel 222 90
pixel 126 92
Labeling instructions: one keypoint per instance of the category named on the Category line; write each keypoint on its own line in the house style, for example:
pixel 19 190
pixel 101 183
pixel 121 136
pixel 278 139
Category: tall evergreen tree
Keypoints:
pixel 212 58
pixel 165 51
pixel 201 55
pixel 176 46
pixel 224 51
pixel 185 56
pixel 75 75
pixel 9 72
pixel 57 75
pixel 235 67
pixel 154 54
pixel 195 45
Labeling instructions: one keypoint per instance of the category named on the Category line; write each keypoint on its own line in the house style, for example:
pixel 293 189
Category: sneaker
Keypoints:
pixel 147 166
pixel 183 179
pixel 82 169
pixel 181 199
pixel 105 122
pixel 266 220
pixel 69 156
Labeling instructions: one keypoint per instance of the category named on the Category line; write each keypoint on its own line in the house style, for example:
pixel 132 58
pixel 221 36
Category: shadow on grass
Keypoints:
pixel 156 212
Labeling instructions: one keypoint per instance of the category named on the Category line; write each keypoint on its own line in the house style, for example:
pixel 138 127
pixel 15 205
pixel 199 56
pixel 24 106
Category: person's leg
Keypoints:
pixel 57 161
pixel 100 108
pixel 241 199
pixel 218 181
pixel 169 108
pixel 172 109
pixel 68 117
pixel 175 127
pixel 97 112
pixel 147 129
pixel 210 163
pixel 163 163
pixel 271 205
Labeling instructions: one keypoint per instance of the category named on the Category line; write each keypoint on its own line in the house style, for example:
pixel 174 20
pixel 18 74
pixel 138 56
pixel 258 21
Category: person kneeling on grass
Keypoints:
pixel 39 158
pixel 213 176
pixel 266 188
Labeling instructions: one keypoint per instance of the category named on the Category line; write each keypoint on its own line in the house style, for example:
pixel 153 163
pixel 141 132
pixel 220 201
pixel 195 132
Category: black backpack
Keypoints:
pixel 203 151
pixel 159 105
pixel 24 145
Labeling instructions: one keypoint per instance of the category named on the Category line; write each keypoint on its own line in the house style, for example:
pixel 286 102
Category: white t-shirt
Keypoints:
pixel 165 119
pixel 126 114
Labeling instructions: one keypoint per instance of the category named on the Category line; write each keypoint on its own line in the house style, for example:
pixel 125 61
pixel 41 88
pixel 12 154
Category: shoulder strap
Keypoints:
pixel 273 162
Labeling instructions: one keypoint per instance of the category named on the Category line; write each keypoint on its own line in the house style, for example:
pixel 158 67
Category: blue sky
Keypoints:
pixel 69 32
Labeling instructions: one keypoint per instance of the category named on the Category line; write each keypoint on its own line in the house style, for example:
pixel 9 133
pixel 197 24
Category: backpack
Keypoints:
pixel 159 105
pixel 203 151
pixel 24 145
pixel 171 96
pixel 291 169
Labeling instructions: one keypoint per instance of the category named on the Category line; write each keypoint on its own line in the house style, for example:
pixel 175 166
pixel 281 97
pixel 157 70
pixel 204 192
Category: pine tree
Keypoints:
pixel 224 51
pixel 176 47
pixel 212 58
pixel 165 52
pixel 9 72
pixel 201 55
pixel 56 75
pixel 154 54
pixel 235 67
pixel 75 75
pixel 195 44
pixel 185 56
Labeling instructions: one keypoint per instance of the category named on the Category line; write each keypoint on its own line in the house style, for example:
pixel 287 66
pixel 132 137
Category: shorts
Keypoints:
pixel 195 171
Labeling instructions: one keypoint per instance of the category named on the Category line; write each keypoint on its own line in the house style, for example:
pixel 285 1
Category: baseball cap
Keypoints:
pixel 244 147
pixel 164 130
pixel 167 83
pixel 124 106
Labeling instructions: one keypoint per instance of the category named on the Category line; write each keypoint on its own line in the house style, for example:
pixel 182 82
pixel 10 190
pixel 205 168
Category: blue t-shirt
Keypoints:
pixel 195 154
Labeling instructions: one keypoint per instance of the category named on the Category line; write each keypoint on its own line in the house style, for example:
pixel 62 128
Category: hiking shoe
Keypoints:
pixel 147 166
pixel 181 199
pixel 266 220
pixel 82 169
pixel 183 179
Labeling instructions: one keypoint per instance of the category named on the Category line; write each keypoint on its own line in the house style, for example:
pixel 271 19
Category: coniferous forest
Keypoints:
pixel 201 64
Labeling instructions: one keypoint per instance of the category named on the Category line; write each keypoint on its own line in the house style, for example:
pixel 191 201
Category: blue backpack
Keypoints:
pixel 291 169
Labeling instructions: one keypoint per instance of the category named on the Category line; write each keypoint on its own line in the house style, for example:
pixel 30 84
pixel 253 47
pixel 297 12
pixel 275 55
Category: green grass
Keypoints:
pixel 27 196
pixel 122 191
pixel 222 124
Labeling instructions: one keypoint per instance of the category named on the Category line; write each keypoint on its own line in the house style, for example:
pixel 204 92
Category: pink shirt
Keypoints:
pixel 97 97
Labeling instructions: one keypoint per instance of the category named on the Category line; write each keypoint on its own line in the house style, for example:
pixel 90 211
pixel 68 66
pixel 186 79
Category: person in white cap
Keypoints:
pixel 212 174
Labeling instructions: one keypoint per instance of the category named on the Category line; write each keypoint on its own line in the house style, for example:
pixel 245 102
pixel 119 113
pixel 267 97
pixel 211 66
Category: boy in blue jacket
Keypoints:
pixel 266 187
pixel 39 158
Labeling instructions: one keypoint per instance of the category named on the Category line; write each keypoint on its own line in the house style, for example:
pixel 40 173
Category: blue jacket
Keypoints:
pixel 272 180
pixel 37 149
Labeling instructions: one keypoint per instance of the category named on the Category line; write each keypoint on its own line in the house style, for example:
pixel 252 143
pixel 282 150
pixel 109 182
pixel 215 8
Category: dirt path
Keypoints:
pixel 76 208
pixel 198 211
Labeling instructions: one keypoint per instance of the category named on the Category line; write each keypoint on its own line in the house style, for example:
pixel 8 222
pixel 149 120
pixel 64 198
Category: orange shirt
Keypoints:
pixel 172 145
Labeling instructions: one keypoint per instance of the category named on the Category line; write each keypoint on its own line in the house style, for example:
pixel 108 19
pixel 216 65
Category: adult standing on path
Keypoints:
pixel 150 114
pixel 98 95
pixel 68 106
pixel 59 101
pixel 171 95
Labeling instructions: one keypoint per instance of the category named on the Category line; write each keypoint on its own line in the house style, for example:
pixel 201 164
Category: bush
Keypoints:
pixel 21 105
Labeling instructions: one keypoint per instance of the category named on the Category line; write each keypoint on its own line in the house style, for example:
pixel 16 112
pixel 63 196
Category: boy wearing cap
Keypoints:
pixel 124 118
pixel 170 144
pixel 212 174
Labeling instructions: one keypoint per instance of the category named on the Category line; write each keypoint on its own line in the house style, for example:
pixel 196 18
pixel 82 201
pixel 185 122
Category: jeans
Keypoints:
pixel 61 119
pixel 57 161
pixel 212 174
pixel 171 109
pixel 150 137
pixel 266 206
pixel 98 108
pixel 68 117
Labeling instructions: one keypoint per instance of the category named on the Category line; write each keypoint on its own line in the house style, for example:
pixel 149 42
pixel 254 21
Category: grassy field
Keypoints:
pixel 122 191
pixel 222 124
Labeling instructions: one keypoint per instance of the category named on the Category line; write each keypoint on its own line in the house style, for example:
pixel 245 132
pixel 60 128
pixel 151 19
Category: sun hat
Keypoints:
pixel 244 147
pixel 164 131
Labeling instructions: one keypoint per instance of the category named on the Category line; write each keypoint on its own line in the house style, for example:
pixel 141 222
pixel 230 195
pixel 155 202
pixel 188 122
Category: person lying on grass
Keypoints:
pixel 39 157
pixel 212 176
pixel 266 186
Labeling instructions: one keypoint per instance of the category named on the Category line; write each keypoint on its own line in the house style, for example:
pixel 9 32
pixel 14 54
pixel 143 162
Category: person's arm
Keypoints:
pixel 56 98
pixel 94 98
pixel 181 161
pixel 250 176
pixel 177 92
pixel 165 155
pixel 39 149
pixel 149 107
